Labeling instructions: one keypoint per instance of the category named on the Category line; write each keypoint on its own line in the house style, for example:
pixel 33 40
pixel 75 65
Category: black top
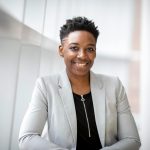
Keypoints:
pixel 87 134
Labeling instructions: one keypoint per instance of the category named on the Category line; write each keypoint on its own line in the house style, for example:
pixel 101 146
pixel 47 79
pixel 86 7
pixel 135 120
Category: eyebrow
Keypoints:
pixel 74 44
pixel 79 44
pixel 91 45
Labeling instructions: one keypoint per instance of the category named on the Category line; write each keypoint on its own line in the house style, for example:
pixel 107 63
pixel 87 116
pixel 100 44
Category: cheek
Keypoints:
pixel 67 60
pixel 68 56
pixel 92 57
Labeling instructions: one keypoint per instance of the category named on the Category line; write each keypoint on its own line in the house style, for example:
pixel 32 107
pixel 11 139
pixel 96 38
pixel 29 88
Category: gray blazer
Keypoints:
pixel 52 101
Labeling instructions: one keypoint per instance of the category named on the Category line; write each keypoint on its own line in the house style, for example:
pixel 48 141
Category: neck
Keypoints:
pixel 80 84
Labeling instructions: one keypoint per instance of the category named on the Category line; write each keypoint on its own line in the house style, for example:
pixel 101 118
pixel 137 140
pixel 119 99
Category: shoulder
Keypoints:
pixel 106 79
pixel 49 80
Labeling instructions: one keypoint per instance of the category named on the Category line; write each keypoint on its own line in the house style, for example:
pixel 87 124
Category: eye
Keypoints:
pixel 90 49
pixel 74 48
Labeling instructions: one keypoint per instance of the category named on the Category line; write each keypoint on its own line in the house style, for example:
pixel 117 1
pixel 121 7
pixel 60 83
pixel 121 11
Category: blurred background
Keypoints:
pixel 29 39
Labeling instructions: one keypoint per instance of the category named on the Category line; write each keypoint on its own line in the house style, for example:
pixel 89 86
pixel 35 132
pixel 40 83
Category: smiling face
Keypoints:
pixel 79 52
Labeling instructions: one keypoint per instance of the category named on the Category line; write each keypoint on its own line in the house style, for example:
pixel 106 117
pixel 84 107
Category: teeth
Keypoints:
pixel 82 64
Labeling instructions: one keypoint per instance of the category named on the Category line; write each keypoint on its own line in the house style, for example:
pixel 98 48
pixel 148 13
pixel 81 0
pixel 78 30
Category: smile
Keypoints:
pixel 81 64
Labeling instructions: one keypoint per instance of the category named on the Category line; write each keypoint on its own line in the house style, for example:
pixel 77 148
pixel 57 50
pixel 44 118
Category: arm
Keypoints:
pixel 128 138
pixel 34 121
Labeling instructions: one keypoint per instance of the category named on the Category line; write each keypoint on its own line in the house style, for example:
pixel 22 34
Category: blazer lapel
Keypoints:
pixel 98 96
pixel 68 103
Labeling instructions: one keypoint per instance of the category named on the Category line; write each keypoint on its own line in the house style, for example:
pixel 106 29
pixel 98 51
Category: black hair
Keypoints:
pixel 77 24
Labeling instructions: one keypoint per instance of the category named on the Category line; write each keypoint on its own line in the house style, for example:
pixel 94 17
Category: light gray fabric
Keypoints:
pixel 52 101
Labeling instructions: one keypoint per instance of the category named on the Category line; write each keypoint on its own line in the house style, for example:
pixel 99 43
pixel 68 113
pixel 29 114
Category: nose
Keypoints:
pixel 81 53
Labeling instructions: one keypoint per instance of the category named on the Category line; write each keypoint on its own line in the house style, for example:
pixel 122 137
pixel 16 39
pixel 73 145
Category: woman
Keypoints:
pixel 83 110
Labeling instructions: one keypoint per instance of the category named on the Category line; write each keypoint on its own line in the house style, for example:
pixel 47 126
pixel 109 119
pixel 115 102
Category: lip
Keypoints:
pixel 81 64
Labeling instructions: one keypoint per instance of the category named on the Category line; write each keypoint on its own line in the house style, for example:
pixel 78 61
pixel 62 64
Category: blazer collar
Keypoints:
pixel 98 96
pixel 65 91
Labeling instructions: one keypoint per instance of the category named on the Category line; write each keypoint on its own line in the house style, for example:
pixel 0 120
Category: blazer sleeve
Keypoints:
pixel 128 138
pixel 34 121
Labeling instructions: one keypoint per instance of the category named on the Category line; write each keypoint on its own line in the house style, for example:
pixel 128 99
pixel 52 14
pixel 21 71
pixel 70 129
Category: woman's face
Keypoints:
pixel 79 52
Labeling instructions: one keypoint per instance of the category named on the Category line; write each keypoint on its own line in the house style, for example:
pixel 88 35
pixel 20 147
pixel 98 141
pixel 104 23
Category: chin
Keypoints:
pixel 81 73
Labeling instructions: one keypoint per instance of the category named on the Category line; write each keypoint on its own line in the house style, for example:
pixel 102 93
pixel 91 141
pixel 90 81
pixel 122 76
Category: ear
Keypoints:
pixel 61 51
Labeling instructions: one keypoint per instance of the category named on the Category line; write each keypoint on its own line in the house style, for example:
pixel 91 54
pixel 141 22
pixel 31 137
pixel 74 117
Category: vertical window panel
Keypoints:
pixel 28 73
pixel 34 14
pixel 9 59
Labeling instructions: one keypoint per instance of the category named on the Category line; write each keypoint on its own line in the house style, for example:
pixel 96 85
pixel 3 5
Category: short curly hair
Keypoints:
pixel 77 24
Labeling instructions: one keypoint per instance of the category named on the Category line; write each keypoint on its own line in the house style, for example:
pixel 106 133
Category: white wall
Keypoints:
pixel 20 66
pixel 24 55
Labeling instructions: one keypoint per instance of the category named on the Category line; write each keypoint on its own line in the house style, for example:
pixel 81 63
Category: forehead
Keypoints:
pixel 80 37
